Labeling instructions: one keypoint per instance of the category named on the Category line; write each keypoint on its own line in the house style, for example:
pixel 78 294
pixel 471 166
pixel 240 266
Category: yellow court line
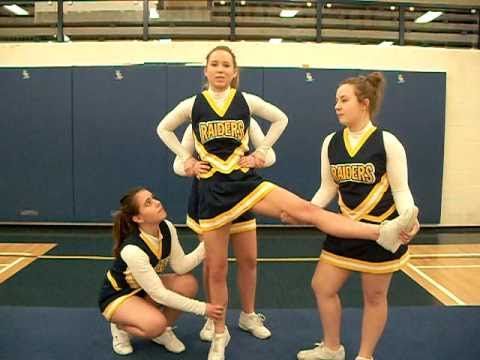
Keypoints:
pixel 447 266
pixel 16 254
pixel 93 257
pixel 297 259
pixel 445 255
pixel 75 257
pixel 441 288
pixel 12 264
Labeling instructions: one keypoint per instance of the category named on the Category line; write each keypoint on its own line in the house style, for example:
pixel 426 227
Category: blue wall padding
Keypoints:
pixel 72 140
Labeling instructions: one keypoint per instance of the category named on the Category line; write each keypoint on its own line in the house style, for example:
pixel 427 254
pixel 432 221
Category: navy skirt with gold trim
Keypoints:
pixel 225 198
pixel 110 298
pixel 362 255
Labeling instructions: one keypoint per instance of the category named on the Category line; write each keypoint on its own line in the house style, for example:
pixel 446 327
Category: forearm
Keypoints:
pixel 150 282
pixel 185 263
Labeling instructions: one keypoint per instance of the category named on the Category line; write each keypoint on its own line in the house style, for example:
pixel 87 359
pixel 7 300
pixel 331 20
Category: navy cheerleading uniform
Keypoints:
pixel 139 268
pixel 227 192
pixel 364 194
pixel 119 284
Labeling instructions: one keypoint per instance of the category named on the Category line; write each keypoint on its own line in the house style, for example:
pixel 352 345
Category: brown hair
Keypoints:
pixel 236 80
pixel 123 224
pixel 371 87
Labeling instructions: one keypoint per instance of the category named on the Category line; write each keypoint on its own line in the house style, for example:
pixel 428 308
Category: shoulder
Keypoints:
pixel 389 138
pixel 326 142
pixel 392 145
pixel 188 101
pixel 250 97
pixel 329 138
pixel 132 238
pixel 169 225
pixel 132 252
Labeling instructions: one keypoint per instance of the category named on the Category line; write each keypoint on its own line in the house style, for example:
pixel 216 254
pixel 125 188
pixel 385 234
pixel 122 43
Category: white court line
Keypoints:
pixel 448 266
pixel 443 289
pixel 12 264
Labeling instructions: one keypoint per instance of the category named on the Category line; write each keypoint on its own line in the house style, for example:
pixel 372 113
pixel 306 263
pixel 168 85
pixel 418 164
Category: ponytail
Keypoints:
pixel 123 224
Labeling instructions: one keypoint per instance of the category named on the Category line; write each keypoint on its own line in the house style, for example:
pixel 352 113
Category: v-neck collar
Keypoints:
pixel 353 150
pixel 213 104
pixel 153 243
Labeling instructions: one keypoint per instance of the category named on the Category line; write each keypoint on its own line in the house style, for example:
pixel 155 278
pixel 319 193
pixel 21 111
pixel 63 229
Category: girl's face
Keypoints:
pixel 349 110
pixel 150 209
pixel 220 70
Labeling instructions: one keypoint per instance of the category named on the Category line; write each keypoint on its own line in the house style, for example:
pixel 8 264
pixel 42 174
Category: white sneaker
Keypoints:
pixel 390 230
pixel 219 343
pixel 206 334
pixel 253 323
pixel 363 358
pixel 321 352
pixel 170 341
pixel 120 341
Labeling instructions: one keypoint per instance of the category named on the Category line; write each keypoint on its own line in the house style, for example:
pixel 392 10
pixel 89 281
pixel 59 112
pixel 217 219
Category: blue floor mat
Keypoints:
pixel 412 333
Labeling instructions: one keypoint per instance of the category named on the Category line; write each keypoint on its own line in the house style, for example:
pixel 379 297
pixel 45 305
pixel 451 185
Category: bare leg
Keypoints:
pixel 185 285
pixel 139 317
pixel 334 224
pixel 326 283
pixel 205 276
pixel 245 249
pixel 216 249
pixel 375 311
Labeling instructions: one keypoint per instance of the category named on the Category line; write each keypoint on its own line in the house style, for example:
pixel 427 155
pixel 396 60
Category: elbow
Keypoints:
pixel 160 130
pixel 285 121
pixel 271 158
pixel 274 158
pixel 180 270
pixel 178 167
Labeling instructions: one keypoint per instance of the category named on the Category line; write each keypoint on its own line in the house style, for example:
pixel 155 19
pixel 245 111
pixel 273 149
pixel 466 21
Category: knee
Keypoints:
pixel 302 211
pixel 217 272
pixel 320 287
pixel 375 298
pixel 187 285
pixel 155 327
pixel 247 264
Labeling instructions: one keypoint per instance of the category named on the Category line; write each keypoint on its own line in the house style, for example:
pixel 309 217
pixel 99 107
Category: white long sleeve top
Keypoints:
pixel 145 275
pixel 397 170
pixel 183 113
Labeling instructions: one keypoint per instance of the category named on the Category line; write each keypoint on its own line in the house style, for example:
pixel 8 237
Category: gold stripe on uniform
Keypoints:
pixel 152 245
pixel 113 306
pixel 236 228
pixel 352 151
pixel 217 164
pixel 112 281
pixel 242 206
pixel 192 224
pixel 365 266
pixel 131 280
pixel 220 111
pixel 243 226
pixel 369 203
pixel 382 217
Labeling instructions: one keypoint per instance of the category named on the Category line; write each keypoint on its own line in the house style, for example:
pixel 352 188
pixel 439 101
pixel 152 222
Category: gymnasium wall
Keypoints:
pixel 73 165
